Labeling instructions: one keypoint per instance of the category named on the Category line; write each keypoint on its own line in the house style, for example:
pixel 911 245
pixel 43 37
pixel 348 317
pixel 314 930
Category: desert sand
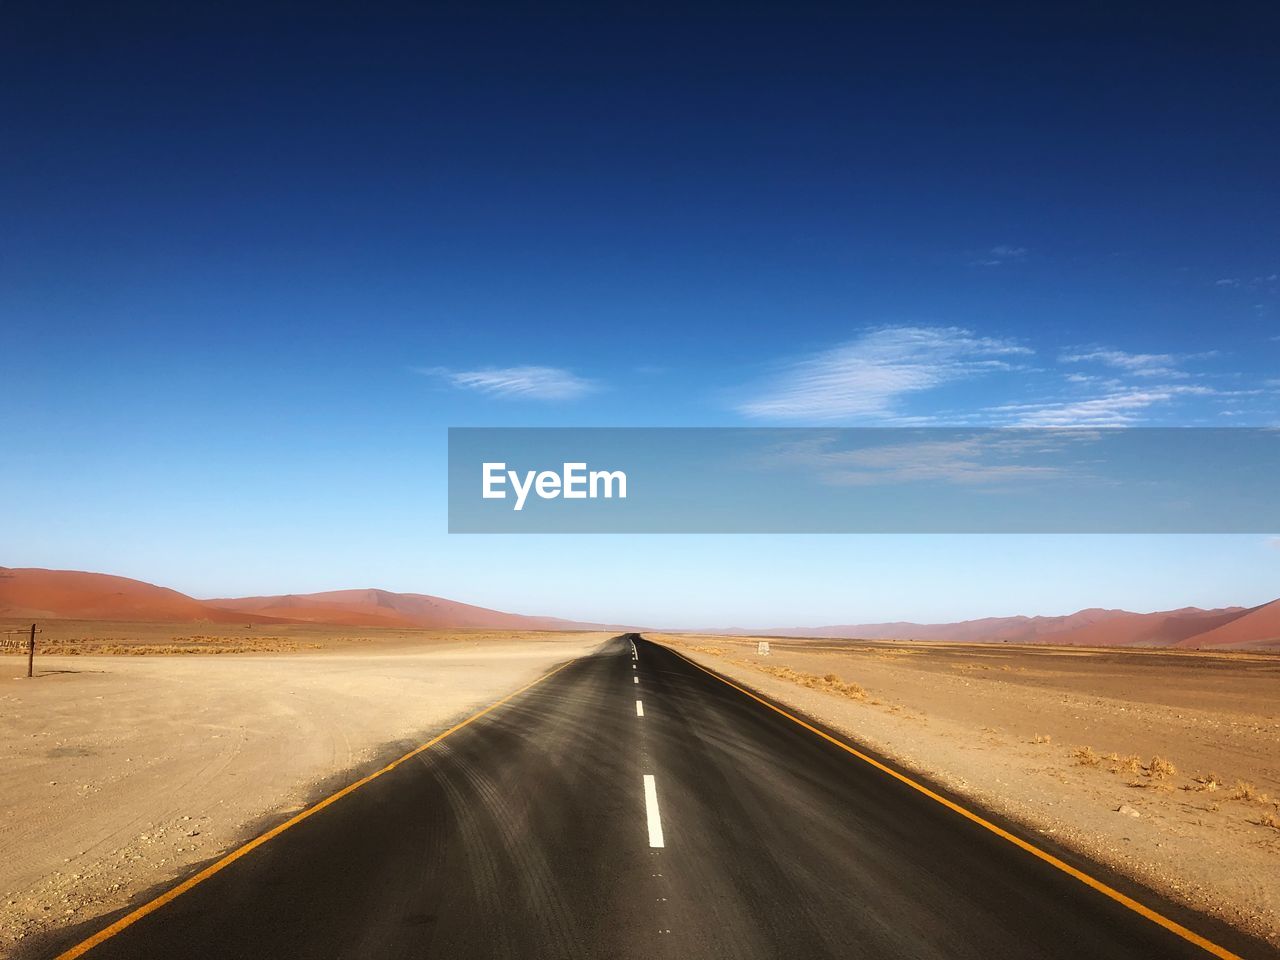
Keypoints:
pixel 142 749
pixel 1163 765
pixel 122 772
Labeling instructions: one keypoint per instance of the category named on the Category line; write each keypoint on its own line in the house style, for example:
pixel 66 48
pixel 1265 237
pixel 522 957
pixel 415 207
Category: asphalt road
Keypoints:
pixel 528 834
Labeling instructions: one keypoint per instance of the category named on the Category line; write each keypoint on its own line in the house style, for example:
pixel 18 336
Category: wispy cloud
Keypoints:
pixel 980 459
pixel 999 255
pixel 1138 364
pixel 1128 389
pixel 518 383
pixel 872 379
pixel 1120 406
pixel 865 378
pixel 1262 281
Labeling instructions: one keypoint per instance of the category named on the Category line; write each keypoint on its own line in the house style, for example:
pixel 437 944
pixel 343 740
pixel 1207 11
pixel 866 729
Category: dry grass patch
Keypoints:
pixel 181 646
pixel 1147 783
pixel 1042 738
pixel 1208 783
pixel 1248 793
pixel 830 683
pixel 1085 757
pixel 1159 768
pixel 1130 764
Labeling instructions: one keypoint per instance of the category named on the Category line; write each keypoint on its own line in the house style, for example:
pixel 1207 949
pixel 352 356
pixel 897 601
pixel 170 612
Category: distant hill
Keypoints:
pixel 1256 627
pixel 371 608
pixel 70 594
pixel 76 595
pixel 1189 627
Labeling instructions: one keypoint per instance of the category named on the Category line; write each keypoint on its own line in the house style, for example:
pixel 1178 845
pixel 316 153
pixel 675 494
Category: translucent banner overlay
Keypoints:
pixel 863 480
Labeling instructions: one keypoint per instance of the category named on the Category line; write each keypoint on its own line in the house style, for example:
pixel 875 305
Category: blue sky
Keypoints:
pixel 257 261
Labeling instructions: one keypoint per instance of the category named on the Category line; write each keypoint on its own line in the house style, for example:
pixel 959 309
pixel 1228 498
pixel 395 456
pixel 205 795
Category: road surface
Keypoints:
pixel 632 805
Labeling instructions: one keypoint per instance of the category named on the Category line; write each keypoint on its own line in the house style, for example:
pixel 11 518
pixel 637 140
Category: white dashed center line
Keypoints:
pixel 651 810
pixel 639 709
pixel 635 679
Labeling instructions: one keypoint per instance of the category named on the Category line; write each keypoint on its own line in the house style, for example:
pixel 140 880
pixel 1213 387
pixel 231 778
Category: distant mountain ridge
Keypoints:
pixel 372 607
pixel 1188 627
pixel 76 595
pixel 69 594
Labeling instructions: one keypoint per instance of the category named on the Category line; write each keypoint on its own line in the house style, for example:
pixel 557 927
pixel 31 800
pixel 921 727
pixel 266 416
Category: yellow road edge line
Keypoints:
pixel 1141 909
pixel 129 919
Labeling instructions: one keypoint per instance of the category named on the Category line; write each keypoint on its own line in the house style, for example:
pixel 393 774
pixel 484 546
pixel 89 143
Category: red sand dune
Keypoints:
pixel 74 595
pixel 988 629
pixel 311 609
pixel 383 608
pixel 1010 629
pixel 1255 627
pixel 1161 629
pixel 1189 627
pixel 69 594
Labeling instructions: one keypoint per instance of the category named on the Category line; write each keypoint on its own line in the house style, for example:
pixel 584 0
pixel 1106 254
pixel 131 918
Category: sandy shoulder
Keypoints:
pixel 1006 731
pixel 121 772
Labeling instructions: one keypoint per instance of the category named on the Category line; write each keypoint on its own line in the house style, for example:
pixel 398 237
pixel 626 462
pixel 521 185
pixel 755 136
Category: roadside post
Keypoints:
pixel 17 640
